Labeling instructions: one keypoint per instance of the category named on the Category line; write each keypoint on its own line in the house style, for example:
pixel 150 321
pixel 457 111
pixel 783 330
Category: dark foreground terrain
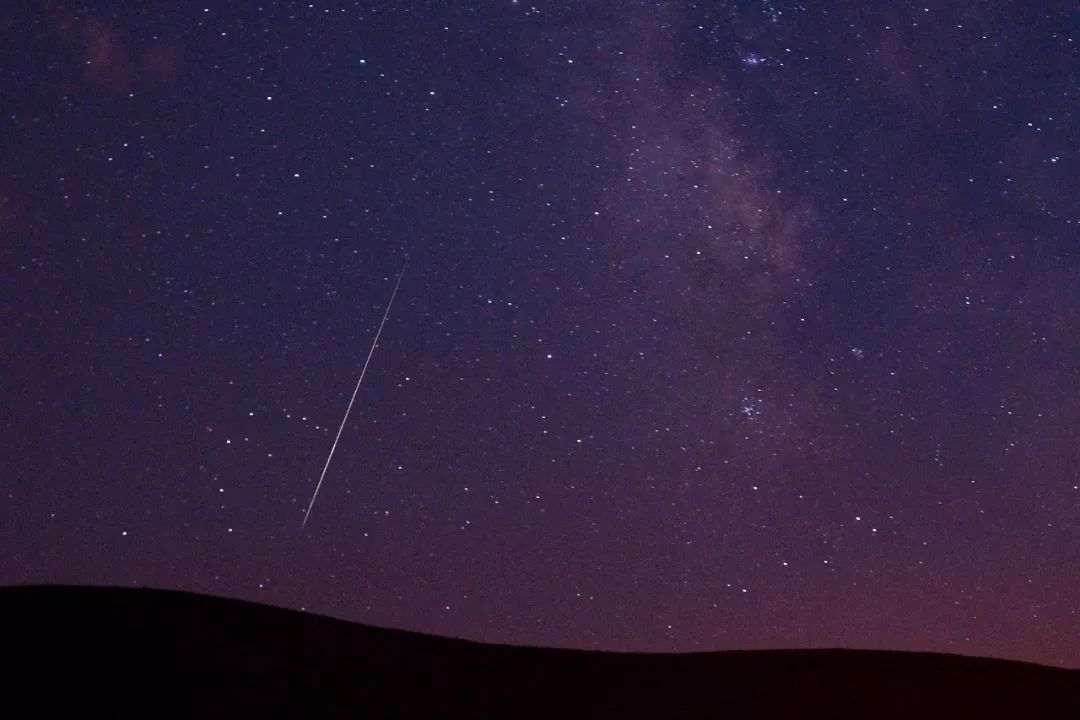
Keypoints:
pixel 149 653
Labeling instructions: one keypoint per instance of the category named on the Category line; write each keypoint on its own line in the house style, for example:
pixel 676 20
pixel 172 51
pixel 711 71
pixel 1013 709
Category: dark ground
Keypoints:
pixel 151 653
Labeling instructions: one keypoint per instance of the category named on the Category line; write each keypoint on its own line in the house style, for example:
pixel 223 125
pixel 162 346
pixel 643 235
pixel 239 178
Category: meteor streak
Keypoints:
pixel 355 390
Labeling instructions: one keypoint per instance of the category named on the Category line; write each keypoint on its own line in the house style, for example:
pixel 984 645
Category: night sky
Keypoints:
pixel 725 325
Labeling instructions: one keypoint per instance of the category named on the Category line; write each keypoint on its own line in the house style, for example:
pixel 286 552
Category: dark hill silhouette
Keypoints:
pixel 153 653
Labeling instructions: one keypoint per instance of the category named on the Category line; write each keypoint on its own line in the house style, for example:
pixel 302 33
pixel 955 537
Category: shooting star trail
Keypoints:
pixel 355 391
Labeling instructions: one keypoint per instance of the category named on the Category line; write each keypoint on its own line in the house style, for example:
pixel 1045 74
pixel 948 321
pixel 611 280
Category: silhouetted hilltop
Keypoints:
pixel 153 653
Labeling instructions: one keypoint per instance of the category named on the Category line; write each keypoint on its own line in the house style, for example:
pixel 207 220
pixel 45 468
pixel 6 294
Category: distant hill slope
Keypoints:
pixel 151 653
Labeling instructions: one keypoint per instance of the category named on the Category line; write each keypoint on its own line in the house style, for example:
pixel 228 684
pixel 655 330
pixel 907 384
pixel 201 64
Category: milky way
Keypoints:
pixel 727 324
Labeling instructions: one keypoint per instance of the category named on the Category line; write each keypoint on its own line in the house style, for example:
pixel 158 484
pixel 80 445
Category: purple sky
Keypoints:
pixel 726 325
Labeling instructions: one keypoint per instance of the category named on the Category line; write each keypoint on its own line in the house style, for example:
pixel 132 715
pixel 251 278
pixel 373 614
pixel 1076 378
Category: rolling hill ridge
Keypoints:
pixel 154 653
